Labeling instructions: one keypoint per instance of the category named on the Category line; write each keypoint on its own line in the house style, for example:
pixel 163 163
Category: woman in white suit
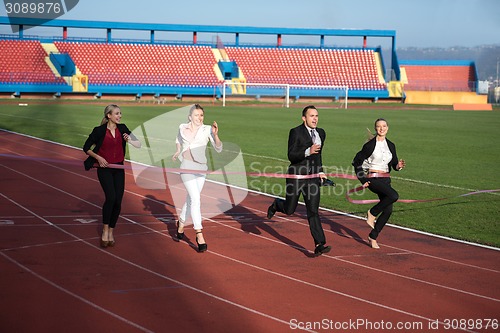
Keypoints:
pixel 191 142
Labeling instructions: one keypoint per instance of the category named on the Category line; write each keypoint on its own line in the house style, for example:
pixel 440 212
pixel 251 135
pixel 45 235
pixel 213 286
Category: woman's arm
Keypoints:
pixel 102 162
pixel 130 138
pixel 92 141
pixel 396 164
pixel 360 157
pixel 177 152
pixel 215 134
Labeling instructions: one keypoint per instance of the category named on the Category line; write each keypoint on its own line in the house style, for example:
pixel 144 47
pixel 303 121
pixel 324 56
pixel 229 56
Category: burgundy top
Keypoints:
pixel 112 147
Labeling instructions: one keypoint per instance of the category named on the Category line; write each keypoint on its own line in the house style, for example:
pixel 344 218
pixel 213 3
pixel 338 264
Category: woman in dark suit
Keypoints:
pixel 108 141
pixel 373 165
pixel 305 143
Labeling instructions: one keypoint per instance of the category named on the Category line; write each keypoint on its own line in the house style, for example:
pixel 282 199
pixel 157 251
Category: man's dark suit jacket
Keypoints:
pixel 299 140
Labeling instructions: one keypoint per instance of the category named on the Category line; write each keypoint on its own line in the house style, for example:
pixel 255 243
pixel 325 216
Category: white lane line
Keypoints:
pixel 287 245
pixel 125 261
pixel 80 298
pixel 251 265
pixel 57 286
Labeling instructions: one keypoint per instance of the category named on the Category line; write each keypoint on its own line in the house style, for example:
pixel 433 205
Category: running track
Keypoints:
pixel 258 275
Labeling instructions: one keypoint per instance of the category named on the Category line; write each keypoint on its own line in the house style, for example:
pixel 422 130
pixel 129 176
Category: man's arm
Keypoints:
pixel 296 150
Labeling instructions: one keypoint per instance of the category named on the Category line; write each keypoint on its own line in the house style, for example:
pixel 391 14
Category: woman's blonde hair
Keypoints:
pixel 107 110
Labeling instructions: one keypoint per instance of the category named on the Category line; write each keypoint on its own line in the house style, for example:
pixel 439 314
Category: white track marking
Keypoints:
pixel 288 245
pixel 251 265
pixel 124 260
pixel 80 298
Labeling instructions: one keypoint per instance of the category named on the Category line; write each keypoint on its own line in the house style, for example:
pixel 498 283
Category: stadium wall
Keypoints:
pixel 444 97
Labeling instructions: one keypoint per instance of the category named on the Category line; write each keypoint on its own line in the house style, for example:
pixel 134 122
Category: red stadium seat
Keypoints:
pixel 137 64
pixel 310 66
pixel 24 62
pixel 439 78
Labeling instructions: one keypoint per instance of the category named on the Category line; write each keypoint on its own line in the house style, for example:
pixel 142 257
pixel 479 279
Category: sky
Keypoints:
pixel 418 23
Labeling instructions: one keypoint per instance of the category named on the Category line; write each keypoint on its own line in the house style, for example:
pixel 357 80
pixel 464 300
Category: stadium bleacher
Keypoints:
pixel 23 61
pixel 176 66
pixel 123 64
pixel 439 77
pixel 356 69
pixel 143 64
pixel 96 66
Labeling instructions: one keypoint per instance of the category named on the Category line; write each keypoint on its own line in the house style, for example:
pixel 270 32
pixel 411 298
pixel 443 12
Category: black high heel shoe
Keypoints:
pixel 180 235
pixel 201 247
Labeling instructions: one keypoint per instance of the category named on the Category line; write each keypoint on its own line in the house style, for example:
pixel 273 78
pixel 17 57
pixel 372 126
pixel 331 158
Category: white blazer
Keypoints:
pixel 198 144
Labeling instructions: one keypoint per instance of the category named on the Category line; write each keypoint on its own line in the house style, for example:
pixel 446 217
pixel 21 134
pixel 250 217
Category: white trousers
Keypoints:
pixel 194 185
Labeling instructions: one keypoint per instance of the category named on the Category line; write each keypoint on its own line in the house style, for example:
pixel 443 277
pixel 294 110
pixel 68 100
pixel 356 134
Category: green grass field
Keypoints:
pixel 447 153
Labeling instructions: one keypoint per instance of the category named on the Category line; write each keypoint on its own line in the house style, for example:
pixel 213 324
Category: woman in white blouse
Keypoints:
pixel 373 164
pixel 191 142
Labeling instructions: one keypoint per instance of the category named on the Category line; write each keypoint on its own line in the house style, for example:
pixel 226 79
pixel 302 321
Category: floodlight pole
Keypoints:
pixel 497 72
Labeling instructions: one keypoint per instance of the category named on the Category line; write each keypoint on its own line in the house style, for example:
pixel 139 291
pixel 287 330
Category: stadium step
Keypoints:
pixel 52 48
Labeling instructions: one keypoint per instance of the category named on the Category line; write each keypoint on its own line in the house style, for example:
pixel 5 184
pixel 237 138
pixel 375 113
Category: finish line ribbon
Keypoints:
pixel 317 175
pixel 250 174
pixel 268 175
pixel 369 201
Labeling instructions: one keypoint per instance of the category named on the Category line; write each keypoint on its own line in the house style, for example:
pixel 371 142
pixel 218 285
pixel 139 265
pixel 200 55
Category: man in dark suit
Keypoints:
pixel 304 152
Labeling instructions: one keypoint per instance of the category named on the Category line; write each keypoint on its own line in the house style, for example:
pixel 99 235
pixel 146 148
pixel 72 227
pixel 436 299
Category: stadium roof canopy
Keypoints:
pixel 21 23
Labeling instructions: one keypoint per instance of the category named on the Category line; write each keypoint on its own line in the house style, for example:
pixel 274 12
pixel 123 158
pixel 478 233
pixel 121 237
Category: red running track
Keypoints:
pixel 258 275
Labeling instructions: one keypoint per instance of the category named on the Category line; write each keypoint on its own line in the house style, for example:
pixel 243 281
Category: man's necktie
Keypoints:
pixel 313 136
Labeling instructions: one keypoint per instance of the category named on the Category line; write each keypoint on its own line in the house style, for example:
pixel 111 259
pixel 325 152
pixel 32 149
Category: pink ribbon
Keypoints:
pixel 316 175
pixel 269 175
pixel 360 202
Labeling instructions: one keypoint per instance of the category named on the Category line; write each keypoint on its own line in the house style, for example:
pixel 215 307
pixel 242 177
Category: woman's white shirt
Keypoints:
pixel 380 157
pixel 197 144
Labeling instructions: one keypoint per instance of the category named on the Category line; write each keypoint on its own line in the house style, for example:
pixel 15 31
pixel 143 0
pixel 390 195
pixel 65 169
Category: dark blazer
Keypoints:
pixel 299 139
pixel 366 152
pixel 96 138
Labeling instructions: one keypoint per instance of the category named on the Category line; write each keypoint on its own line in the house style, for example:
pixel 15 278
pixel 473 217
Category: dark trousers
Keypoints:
pixel 113 184
pixel 388 196
pixel 310 189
